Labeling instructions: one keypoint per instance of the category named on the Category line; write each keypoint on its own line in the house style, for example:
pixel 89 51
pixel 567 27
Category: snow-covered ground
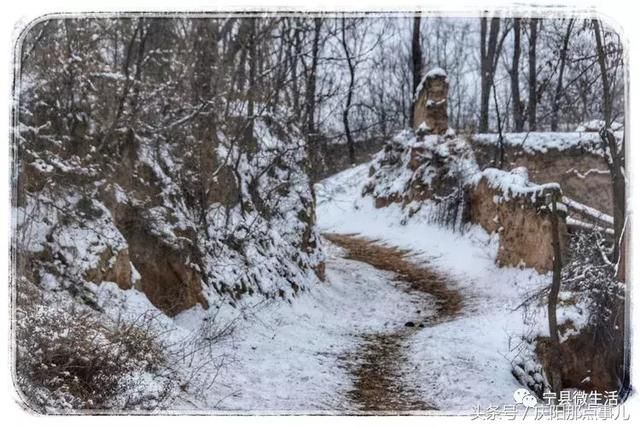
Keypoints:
pixel 284 357
pixel 466 361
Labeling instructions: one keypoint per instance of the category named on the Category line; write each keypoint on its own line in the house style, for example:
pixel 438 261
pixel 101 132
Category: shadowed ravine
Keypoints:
pixel 377 367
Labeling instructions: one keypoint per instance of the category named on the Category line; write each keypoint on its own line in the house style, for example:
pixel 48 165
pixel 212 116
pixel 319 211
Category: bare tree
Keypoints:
pixel 532 108
pixel 310 93
pixel 615 152
pixel 556 376
pixel 555 108
pixel 347 108
pixel 490 47
pixel 518 113
pixel 416 62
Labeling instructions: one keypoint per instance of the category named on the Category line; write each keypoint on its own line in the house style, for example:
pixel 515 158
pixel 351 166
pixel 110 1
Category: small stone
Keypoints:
pixel 409 324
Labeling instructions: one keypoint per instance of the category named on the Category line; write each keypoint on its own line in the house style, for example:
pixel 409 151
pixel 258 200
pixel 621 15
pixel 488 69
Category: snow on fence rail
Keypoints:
pixel 575 224
pixel 587 212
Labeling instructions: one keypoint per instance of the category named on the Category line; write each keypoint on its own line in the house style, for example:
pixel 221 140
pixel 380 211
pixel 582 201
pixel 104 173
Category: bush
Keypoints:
pixel 593 278
pixel 69 358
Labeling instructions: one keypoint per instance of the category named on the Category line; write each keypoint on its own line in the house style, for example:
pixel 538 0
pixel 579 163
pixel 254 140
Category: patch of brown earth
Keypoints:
pixel 377 379
pixel 448 301
pixel 376 366
pixel 524 226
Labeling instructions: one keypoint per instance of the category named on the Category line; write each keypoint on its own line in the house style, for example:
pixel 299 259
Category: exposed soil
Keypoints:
pixel 377 366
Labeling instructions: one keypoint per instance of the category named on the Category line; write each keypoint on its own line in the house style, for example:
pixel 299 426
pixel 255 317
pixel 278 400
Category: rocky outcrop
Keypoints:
pixel 431 169
pixel 415 168
pixel 438 176
pixel 169 278
pixel 185 230
pixel 112 268
pixel 430 107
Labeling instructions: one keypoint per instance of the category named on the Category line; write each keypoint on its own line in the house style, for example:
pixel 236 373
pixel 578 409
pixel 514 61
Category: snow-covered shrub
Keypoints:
pixel 591 320
pixel 423 173
pixel 592 277
pixel 69 357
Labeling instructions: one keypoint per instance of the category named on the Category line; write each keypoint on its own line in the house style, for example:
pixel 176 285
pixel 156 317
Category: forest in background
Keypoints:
pixel 339 80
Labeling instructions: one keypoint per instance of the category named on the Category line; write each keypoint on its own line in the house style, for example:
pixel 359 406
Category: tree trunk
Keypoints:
pixel 616 169
pixel 518 114
pixel 488 51
pixel 310 93
pixel 602 62
pixel 616 158
pixel 347 107
pixel 251 89
pixel 499 161
pixel 533 78
pixel 416 58
pixel 555 107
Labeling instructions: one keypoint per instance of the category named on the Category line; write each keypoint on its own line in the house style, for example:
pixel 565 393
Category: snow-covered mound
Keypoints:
pixel 438 176
pixel 253 232
pixel 426 173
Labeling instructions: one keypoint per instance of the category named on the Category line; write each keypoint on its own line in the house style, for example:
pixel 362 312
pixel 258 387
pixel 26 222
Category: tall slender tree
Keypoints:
pixel 489 51
pixel 532 108
pixel 615 152
pixel 416 64
pixel 518 108
pixel 348 102
pixel 555 106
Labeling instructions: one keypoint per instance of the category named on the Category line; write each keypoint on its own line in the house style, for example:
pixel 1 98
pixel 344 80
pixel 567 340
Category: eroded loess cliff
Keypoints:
pixel 148 219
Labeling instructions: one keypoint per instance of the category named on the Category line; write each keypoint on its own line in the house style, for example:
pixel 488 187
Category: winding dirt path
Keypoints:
pixel 378 366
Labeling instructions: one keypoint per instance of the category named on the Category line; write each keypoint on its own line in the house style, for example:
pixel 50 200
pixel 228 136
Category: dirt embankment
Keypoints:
pixel 377 367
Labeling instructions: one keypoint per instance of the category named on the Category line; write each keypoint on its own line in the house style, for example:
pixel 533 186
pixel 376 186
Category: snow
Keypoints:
pixel 596 125
pixel 304 340
pixel 282 357
pixel 543 142
pixel 286 354
pixel 433 73
pixel 436 72
pixel 515 183
pixel 588 211
pixel 588 226
pixel 465 361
